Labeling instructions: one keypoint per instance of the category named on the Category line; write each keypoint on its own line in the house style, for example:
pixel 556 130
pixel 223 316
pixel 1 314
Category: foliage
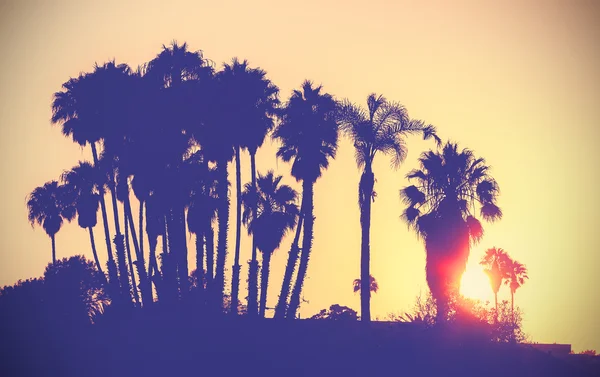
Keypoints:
pixel 337 312
pixel 373 285
pixel 450 185
pixel 503 326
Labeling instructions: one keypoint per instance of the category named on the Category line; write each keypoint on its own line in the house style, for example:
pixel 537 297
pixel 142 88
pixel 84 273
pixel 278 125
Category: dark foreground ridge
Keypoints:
pixel 178 345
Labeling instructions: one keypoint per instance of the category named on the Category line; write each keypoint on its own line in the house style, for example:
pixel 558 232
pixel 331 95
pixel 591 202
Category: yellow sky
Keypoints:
pixel 516 81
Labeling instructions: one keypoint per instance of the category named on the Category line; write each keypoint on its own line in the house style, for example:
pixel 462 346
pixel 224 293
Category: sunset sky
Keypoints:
pixel 518 82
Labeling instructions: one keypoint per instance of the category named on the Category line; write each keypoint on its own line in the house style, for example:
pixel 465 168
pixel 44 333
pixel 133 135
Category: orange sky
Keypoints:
pixel 516 81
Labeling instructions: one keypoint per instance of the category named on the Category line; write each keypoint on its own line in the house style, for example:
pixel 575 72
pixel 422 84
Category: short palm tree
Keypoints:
pixel 308 133
pixel 517 274
pixel 381 129
pixel 494 262
pixel 451 184
pixel 270 212
pixel 83 181
pixel 373 286
pixel 48 206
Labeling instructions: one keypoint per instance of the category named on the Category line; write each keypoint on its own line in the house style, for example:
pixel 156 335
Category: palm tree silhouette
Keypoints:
pixel 75 110
pixel 441 209
pixel 176 71
pixel 269 212
pixel 254 99
pixel 373 286
pixel 494 262
pixel 381 129
pixel 83 182
pixel 517 274
pixel 308 133
pixel 48 206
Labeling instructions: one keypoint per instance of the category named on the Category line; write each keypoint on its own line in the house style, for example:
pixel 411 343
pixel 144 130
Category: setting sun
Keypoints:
pixel 475 284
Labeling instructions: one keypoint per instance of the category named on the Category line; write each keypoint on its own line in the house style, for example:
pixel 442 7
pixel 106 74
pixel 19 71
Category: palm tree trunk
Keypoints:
pixel 112 268
pixel 209 236
pixel 222 237
pixel 169 261
pixel 253 268
pixel 200 260
pixel 289 272
pixel 264 283
pixel 496 303
pixel 512 305
pixel 140 263
pixel 235 279
pixel 119 242
pixel 136 296
pixel 52 237
pixel 182 252
pixel 93 243
pixel 307 194
pixel 365 192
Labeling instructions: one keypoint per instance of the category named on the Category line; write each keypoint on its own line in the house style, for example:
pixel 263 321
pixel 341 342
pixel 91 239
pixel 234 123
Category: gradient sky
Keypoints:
pixel 516 81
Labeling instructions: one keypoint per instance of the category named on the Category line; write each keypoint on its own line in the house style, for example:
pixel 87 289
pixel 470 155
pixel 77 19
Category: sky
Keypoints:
pixel 517 82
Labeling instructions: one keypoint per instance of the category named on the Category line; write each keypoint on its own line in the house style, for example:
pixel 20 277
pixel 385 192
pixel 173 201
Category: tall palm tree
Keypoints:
pixel 269 212
pixel 281 307
pixel 177 71
pixel 75 110
pixel 381 129
pixel 517 274
pixel 83 181
pixel 373 286
pixel 451 184
pixel 253 100
pixel 48 206
pixel 308 133
pixel 494 262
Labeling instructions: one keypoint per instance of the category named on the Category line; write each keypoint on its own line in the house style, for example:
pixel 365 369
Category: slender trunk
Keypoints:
pixel 264 283
pixel 512 305
pixel 235 279
pixel 52 237
pixel 222 237
pixel 93 243
pixel 140 263
pixel 307 194
pixel 289 272
pixel 365 193
pixel 183 270
pixel 136 296
pixel 200 261
pixel 119 242
pixel 169 260
pixel 112 268
pixel 496 304
pixel 209 235
pixel 253 268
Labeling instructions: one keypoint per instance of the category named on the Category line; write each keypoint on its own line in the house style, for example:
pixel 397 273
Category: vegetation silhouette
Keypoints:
pixel 441 210
pixel 166 132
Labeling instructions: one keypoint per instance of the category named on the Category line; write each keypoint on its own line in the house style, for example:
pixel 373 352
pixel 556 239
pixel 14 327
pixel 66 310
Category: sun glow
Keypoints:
pixel 475 284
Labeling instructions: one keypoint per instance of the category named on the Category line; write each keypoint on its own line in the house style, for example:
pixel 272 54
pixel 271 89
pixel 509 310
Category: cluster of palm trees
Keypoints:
pixel 501 268
pixel 167 131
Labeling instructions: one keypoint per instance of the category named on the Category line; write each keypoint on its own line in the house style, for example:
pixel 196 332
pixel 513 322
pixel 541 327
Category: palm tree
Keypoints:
pixel 494 262
pixel 373 286
pixel 379 130
pixel 517 274
pixel 308 133
pixel 253 99
pixel 74 109
pixel 83 181
pixel 177 71
pixel 269 212
pixel 441 208
pixel 281 307
pixel 48 206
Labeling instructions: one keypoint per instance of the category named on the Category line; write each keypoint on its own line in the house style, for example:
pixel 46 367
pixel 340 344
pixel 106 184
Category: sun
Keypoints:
pixel 475 283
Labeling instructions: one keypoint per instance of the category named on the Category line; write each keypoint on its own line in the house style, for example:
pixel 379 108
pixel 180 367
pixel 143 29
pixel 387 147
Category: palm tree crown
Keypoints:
pixel 380 129
pixel 308 132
